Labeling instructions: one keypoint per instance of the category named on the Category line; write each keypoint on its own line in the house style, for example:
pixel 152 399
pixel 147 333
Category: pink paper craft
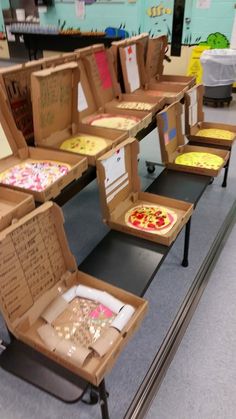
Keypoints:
pixel 101 312
pixel 103 69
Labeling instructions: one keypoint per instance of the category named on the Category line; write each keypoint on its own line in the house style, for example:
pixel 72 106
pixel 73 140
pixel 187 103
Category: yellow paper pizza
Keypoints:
pixel 85 144
pixel 200 159
pixel 220 134
pixel 151 218
pixel 138 106
pixel 113 121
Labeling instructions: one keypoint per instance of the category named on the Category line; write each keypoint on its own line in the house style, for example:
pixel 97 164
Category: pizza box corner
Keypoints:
pixel 13 206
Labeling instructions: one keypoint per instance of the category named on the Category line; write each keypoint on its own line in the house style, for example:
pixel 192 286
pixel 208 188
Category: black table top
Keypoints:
pixel 187 187
pixel 125 261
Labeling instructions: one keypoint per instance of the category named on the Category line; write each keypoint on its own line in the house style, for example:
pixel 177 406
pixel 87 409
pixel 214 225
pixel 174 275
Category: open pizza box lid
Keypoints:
pixel 172 143
pixel 119 187
pixel 54 99
pixel 99 64
pixel 90 111
pixel 194 119
pixel 141 38
pixel 13 206
pixel 36 267
pixel 170 131
pixel 132 65
pixel 16 151
pixel 155 56
pixel 156 50
pixel 15 81
pixel 59 97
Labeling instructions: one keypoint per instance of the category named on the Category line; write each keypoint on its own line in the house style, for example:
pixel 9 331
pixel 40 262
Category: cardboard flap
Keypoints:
pixel 99 67
pixel 11 138
pixel 130 67
pixel 170 130
pixel 16 83
pixel 155 56
pixel 117 173
pixel 54 98
pixel 193 108
pixel 34 254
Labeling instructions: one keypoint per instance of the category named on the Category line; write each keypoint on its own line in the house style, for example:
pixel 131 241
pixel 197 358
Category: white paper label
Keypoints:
pixel 82 102
pixel 5 149
pixel 114 167
pixel 132 67
pixel 80 9
pixel 193 115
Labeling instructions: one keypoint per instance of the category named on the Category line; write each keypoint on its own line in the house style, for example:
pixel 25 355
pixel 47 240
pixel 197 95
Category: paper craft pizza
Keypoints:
pixel 221 134
pixel 83 321
pixel 151 218
pixel 199 159
pixel 35 175
pixel 113 121
pixel 84 144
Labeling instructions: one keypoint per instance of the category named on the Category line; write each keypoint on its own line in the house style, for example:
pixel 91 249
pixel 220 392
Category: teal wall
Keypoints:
pixel 219 17
pixel 98 16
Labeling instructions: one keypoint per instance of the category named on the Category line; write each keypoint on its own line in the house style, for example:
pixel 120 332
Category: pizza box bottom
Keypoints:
pixel 193 169
pixel 182 209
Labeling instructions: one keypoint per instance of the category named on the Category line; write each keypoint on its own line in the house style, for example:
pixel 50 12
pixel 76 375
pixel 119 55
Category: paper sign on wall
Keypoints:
pixel 80 9
pixel 114 167
pixel 82 102
pixel 203 4
pixel 132 67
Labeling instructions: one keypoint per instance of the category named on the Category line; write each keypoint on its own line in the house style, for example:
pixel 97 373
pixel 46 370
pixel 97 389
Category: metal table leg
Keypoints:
pixel 103 400
pixel 224 184
pixel 186 243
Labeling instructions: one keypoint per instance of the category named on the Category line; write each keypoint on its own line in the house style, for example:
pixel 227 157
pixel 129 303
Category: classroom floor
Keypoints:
pixel 84 227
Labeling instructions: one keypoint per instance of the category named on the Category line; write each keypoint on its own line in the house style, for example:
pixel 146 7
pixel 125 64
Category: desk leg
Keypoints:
pixel 103 400
pixel 224 184
pixel 186 243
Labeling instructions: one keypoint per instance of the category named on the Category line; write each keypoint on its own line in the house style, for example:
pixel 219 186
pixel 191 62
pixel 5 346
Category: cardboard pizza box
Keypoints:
pixel 194 121
pixel 134 74
pixel 91 114
pixel 153 56
pixel 172 143
pixel 119 187
pixel 99 64
pixel 14 151
pixel 36 268
pixel 49 86
pixel 13 206
pixel 59 59
pixel 15 80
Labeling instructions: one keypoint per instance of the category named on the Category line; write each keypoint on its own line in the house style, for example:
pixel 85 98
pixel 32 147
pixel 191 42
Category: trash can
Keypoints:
pixel 219 72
